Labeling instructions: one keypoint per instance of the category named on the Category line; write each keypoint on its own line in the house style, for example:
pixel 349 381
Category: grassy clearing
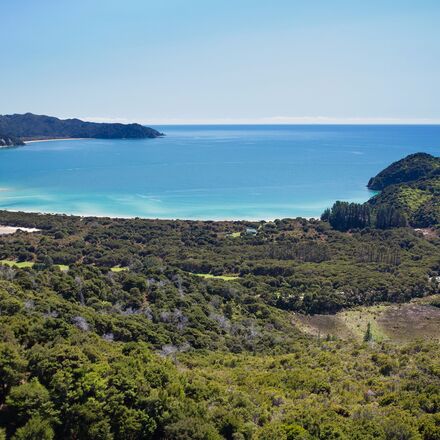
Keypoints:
pixel 62 267
pixel 24 264
pixel 119 269
pixel 235 234
pixel 357 321
pixel 21 264
pixel 406 322
pixel 397 322
pixel 218 277
pixel 322 325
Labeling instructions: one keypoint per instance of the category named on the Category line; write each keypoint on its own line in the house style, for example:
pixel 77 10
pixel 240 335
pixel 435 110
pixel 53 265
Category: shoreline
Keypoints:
pixel 54 139
pixel 119 217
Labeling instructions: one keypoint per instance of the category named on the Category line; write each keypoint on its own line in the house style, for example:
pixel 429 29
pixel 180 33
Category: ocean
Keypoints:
pixel 208 172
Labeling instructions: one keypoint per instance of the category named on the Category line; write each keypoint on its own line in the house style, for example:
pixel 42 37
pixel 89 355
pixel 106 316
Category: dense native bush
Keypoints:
pixel 152 349
pixel 60 379
pixel 284 261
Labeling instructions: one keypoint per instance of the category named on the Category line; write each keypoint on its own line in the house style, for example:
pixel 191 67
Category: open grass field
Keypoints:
pixel 25 264
pixel 219 277
pixel 63 267
pixel 21 264
pixel 118 269
pixel 400 323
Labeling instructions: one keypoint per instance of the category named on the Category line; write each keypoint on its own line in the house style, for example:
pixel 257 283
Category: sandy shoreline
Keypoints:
pixel 54 139
pixel 131 217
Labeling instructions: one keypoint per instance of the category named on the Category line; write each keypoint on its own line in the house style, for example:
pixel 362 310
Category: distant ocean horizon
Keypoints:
pixel 208 172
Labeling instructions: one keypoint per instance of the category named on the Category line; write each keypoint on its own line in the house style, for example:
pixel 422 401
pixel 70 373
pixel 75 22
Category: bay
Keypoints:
pixel 208 172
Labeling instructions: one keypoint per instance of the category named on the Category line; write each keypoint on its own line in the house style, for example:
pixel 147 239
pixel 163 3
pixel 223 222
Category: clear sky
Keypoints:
pixel 222 60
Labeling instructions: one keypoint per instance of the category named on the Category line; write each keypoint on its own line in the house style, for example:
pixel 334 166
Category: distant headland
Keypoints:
pixel 16 129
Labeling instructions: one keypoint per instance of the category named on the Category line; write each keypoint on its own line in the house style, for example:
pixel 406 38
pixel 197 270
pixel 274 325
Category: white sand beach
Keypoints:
pixel 54 139
pixel 6 230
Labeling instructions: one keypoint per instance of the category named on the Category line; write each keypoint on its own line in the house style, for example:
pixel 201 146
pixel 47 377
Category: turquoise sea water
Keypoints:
pixel 207 172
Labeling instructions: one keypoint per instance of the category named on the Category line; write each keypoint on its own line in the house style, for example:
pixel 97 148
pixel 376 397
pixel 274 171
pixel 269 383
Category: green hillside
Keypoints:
pixel 199 336
pixel 409 196
pixel 419 199
pixel 411 168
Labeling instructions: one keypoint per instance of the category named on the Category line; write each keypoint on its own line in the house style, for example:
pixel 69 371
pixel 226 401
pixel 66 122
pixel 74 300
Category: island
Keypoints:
pixel 27 127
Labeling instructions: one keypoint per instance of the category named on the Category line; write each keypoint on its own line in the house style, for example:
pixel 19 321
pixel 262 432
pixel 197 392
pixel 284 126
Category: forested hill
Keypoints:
pixel 32 127
pixel 411 186
pixel 410 196
pixel 408 169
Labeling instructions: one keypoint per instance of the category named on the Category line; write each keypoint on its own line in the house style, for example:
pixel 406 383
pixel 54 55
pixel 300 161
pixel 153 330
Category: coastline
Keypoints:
pixel 167 181
pixel 54 139
pixel 122 217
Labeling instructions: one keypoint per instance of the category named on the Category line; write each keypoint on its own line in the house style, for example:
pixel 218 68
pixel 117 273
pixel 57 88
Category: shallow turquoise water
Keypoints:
pixel 207 172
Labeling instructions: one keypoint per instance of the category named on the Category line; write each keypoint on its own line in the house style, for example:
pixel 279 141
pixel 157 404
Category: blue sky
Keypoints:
pixel 249 61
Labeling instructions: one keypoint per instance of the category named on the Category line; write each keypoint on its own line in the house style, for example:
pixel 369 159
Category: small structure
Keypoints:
pixel 251 231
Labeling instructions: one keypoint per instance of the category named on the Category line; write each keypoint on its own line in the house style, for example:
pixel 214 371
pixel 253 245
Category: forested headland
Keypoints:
pixel 28 127
pixel 409 196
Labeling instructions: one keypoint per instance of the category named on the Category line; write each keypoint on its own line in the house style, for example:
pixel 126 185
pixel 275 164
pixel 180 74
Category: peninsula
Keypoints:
pixel 18 128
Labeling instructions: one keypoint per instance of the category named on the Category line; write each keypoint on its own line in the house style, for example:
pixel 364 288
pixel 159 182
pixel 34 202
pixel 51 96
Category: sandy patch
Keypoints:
pixel 5 230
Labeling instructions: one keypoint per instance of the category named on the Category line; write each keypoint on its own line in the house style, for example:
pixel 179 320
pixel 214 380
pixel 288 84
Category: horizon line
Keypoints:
pixel 277 120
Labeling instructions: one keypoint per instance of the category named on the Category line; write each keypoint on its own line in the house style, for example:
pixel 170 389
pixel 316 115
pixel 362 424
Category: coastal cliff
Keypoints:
pixel 9 141
pixel 37 127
